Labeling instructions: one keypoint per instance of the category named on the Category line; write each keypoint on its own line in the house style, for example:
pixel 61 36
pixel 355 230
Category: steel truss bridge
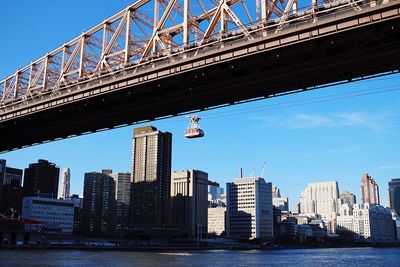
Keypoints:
pixel 157 59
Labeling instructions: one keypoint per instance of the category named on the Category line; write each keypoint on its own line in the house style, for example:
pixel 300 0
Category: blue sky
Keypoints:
pixel 337 133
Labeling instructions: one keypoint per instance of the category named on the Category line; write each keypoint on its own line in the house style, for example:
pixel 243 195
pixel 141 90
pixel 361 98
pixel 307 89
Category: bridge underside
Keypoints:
pixel 344 55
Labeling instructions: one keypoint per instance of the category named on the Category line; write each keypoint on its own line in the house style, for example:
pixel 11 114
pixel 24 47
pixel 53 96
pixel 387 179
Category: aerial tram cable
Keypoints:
pixel 316 100
pixel 194 131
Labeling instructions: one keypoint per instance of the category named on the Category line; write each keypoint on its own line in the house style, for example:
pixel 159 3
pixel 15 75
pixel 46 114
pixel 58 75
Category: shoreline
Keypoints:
pixel 176 249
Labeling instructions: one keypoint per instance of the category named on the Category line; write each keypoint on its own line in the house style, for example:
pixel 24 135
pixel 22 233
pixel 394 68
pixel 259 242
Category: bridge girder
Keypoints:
pixel 136 35
pixel 222 72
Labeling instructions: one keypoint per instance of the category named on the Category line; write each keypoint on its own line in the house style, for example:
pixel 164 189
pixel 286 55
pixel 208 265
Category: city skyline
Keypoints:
pixel 223 186
pixel 77 187
pixel 302 143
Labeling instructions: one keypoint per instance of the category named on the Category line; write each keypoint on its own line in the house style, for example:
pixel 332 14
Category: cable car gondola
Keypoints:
pixel 193 130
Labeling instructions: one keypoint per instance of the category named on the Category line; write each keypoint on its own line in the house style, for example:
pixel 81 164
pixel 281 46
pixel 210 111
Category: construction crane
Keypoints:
pixel 193 130
pixel 263 169
pixel 252 171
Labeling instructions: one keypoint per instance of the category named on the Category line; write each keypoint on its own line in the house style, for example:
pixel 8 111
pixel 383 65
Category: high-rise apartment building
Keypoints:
pixel 394 195
pixel 249 209
pixel 320 199
pixel 189 202
pixel 348 198
pixel 122 196
pixel 369 190
pixel 41 179
pixel 151 177
pixel 65 190
pixel 98 214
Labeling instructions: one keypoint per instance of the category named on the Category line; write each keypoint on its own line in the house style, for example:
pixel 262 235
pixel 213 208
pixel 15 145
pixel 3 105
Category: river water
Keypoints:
pixel 295 257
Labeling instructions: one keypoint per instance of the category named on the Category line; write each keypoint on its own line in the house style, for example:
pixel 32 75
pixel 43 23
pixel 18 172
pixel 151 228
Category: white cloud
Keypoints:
pixel 359 119
pixel 303 121
pixel 386 167
pixel 373 122
pixel 343 149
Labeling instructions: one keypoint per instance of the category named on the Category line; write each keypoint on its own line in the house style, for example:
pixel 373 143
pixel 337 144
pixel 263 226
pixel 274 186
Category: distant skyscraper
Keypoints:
pixel 281 203
pixel 41 179
pixel 151 178
pixel 276 192
pixel 122 195
pixel 348 198
pixel 394 195
pixel 320 199
pixel 189 201
pixel 249 209
pixel 65 190
pixel 369 190
pixel 98 215
pixel 215 190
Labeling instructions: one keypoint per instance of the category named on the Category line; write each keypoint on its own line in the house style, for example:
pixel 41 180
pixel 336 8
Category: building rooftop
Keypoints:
pixel 144 130
pixel 246 180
